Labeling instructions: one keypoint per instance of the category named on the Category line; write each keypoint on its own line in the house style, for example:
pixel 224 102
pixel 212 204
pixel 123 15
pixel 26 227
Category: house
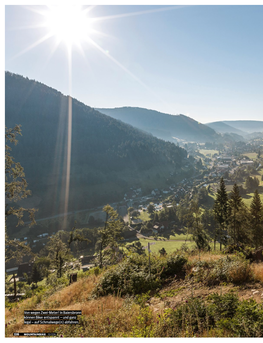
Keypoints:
pixel 246 162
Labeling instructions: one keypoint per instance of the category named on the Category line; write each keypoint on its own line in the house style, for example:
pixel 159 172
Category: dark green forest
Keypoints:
pixel 107 156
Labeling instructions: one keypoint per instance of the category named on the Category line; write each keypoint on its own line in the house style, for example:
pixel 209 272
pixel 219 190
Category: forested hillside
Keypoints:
pixel 107 156
pixel 163 125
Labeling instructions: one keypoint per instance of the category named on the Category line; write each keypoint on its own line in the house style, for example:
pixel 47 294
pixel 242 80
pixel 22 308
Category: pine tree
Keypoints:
pixel 36 274
pixel 256 213
pixel 235 205
pixel 209 224
pixel 221 210
pixel 110 233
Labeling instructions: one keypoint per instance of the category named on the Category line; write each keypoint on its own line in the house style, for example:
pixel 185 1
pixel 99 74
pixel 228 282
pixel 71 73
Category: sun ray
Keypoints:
pixel 163 9
pixel 126 70
pixel 32 46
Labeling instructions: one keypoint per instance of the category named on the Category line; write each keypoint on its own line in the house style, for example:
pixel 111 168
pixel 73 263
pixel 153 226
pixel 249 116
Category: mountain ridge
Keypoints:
pixel 106 155
pixel 162 125
pixel 240 127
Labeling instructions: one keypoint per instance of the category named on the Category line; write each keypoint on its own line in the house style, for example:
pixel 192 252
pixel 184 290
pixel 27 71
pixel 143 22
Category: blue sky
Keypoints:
pixel 202 61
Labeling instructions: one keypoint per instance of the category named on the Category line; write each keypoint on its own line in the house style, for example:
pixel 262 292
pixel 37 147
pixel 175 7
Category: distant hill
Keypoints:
pixel 108 157
pixel 248 126
pixel 240 127
pixel 165 126
pixel 222 127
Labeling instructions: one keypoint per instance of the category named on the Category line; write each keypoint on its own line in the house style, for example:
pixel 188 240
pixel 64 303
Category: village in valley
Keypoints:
pixel 203 171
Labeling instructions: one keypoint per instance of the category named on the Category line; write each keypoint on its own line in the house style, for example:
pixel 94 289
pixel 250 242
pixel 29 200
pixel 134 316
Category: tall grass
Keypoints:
pixel 258 271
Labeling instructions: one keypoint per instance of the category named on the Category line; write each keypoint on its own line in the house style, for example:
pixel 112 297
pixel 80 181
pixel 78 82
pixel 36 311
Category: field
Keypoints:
pixel 249 197
pixel 251 155
pixel 208 153
pixel 168 245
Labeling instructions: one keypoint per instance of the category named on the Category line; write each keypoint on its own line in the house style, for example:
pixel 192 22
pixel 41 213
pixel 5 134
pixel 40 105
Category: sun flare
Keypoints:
pixel 69 24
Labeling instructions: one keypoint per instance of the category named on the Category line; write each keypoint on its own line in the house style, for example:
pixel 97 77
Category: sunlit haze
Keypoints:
pixel 201 61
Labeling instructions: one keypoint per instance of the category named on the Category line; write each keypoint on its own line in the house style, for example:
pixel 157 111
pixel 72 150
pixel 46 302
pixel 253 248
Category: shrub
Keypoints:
pixel 235 269
pixel 134 276
pixel 239 272
pixel 190 316
pixel 247 320
pixel 222 306
pixel 221 314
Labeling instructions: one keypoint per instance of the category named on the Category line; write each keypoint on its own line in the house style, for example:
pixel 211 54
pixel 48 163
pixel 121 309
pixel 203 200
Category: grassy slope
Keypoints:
pixel 113 315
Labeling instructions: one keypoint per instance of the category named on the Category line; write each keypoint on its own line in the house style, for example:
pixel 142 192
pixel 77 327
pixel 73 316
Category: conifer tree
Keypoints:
pixel 221 209
pixel 256 213
pixel 36 274
pixel 235 221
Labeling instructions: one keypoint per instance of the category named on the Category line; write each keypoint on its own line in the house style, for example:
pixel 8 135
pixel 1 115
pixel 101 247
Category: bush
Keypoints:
pixel 239 272
pixel 223 314
pixel 235 269
pixel 133 275
pixel 222 306
pixel 231 248
pixel 247 320
pixel 190 316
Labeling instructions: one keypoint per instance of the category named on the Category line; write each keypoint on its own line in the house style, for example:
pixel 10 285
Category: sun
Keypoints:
pixel 69 24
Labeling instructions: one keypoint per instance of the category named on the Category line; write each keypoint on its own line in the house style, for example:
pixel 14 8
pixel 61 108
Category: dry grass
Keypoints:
pixel 240 272
pixel 77 292
pixel 205 256
pixel 97 309
pixel 104 316
pixel 73 297
pixel 258 271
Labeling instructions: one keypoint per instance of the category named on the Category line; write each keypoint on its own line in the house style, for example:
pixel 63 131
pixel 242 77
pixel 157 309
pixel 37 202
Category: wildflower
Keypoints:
pixel 186 301
pixel 61 335
pixel 6 325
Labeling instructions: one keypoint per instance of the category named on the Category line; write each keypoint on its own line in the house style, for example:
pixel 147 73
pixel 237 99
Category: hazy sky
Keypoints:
pixel 202 61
